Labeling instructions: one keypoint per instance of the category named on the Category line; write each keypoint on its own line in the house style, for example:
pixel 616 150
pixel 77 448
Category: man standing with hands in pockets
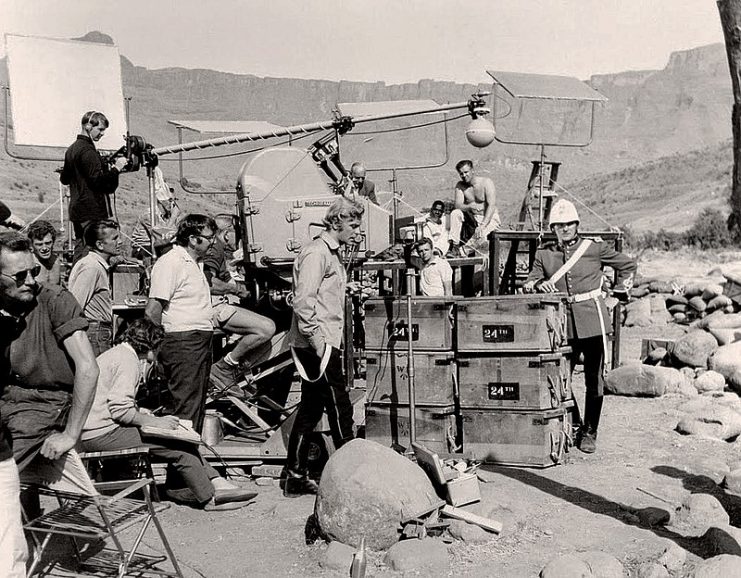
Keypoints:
pixel 319 284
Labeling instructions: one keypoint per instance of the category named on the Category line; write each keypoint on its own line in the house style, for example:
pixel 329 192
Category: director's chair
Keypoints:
pixel 102 520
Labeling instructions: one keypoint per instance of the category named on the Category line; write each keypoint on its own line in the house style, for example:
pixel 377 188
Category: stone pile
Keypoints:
pixel 658 302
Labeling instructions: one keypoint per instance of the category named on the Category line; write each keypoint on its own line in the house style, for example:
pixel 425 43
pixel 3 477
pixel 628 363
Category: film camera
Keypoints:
pixel 137 153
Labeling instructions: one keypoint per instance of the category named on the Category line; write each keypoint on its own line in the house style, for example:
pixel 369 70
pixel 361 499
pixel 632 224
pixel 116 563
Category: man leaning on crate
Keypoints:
pixel 573 265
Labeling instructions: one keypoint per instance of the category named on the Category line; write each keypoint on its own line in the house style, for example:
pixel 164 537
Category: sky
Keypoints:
pixel 394 41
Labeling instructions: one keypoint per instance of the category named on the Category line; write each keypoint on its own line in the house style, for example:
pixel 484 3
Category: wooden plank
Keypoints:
pixel 249 412
pixel 407 518
pixel 485 523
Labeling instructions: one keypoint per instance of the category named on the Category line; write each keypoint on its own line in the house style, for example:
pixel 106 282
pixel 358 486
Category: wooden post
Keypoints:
pixel 730 18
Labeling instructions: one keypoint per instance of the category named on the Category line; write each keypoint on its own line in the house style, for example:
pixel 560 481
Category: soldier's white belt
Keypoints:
pixel 579 297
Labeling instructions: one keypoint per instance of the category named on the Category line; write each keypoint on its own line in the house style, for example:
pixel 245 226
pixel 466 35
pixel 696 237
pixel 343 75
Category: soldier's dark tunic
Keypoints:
pixel 583 284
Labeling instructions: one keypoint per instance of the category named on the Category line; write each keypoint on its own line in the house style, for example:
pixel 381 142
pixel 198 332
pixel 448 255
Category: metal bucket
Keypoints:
pixel 213 430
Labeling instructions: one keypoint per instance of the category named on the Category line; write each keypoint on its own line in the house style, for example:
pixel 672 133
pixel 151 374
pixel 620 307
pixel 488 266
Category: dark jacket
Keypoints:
pixel 90 182
pixel 584 276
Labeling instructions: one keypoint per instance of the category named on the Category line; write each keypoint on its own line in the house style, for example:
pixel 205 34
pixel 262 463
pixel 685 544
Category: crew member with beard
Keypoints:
pixel 319 284
pixel 573 265
pixel 50 366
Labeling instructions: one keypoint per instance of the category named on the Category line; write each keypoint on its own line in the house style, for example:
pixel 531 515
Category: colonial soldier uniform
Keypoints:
pixel 574 266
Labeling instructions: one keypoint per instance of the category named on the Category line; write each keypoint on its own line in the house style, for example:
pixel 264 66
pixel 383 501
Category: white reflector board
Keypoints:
pixel 227 126
pixel 54 82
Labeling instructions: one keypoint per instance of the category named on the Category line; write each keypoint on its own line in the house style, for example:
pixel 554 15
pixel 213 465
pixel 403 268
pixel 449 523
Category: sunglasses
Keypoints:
pixel 21 276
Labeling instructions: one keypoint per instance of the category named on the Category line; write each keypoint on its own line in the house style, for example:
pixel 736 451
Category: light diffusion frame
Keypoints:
pixel 54 82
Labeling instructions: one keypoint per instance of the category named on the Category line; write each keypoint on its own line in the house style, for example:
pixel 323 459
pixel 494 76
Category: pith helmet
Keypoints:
pixel 562 212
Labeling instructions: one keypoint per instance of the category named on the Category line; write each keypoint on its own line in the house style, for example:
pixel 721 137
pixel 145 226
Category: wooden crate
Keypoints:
pixel 515 381
pixel 387 377
pixel 517 437
pixel 511 323
pixel 389 425
pixel 386 324
pixel 648 344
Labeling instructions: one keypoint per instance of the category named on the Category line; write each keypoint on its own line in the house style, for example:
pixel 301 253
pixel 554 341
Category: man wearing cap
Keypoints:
pixel 573 265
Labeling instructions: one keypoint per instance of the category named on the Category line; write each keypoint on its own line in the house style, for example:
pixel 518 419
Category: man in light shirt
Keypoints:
pixel 180 300
pixel 319 284
pixel 90 282
pixel 435 275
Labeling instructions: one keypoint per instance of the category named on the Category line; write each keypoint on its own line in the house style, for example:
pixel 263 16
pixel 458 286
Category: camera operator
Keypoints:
pixel 90 179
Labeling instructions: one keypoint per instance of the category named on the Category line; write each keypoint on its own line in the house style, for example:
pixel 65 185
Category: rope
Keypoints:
pixel 41 214
pixel 586 206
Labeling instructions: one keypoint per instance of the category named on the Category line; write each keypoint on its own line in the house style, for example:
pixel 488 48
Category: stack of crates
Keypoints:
pixel 515 393
pixel 387 380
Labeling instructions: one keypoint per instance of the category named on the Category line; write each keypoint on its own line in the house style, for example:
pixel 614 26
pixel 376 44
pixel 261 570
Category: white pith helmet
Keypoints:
pixel 563 212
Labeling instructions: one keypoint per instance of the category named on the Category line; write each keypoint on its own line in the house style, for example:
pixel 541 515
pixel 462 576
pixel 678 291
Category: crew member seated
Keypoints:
pixel 435 274
pixel 229 317
pixel 435 229
pixel 43 236
pixel 475 214
pixel 115 420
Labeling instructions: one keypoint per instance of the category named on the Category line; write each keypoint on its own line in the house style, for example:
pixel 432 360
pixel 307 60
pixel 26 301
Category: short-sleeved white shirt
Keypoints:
pixel 432 276
pixel 178 279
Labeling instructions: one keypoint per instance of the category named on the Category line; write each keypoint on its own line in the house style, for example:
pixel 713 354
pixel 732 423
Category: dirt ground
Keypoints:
pixel 592 502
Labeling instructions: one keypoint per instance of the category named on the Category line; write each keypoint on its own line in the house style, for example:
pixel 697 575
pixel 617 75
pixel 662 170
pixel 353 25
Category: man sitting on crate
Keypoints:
pixel 435 275
pixel 319 284
pixel 573 265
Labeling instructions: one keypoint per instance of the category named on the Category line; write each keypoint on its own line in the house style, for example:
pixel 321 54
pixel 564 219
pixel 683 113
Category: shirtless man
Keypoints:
pixel 475 208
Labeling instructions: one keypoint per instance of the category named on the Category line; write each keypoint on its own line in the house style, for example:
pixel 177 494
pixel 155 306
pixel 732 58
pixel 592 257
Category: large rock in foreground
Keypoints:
pixel 365 488
pixel 636 379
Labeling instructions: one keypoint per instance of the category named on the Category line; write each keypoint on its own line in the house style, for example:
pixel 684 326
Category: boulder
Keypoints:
pixel 711 291
pixel 716 422
pixel 719 302
pixel 725 335
pixel 694 348
pixel 723 540
pixel 568 566
pixel 673 558
pixel 659 313
pixel 727 361
pixel 724 321
pixel 365 487
pixel 707 320
pixel 725 565
pixel 697 304
pixel 677 308
pixel 657 355
pixel 604 565
pixel 638 292
pixel 637 379
pixel 694 288
pixel 679 317
pixel 676 300
pixel 699 512
pixel 638 313
pixel 470 533
pixel 652 570
pixel 426 557
pixel 710 381
pixel 339 557
pixel 732 482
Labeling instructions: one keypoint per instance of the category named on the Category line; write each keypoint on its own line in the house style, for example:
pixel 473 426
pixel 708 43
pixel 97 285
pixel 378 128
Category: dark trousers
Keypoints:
pixel 183 457
pixel 100 334
pixel 328 394
pixel 592 348
pixel 186 360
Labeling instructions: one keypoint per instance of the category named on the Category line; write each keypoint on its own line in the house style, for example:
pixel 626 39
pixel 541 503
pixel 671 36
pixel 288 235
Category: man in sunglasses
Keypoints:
pixel 180 300
pixel 90 282
pixel 48 376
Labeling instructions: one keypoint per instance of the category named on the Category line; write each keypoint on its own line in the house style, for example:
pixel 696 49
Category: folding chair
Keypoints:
pixel 101 519
pixel 105 466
